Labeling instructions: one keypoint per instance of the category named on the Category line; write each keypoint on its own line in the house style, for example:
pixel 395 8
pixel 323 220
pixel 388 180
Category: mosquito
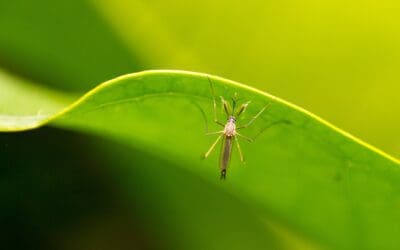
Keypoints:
pixel 230 133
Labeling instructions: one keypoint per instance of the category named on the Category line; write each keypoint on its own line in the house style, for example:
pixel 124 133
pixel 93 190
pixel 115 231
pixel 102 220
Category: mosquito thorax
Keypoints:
pixel 230 127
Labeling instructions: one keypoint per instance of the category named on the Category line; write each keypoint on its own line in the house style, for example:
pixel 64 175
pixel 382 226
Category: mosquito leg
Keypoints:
pixel 214 103
pixel 245 137
pixel 269 126
pixel 215 133
pixel 254 118
pixel 212 147
pixel 215 115
pixel 239 150
pixel 242 108
pixel 251 139
pixel 226 106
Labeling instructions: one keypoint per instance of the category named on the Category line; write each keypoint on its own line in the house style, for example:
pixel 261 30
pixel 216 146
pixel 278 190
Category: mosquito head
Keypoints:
pixel 231 118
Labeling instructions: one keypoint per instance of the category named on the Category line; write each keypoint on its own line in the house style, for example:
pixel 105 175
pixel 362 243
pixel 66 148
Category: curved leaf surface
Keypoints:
pixel 301 172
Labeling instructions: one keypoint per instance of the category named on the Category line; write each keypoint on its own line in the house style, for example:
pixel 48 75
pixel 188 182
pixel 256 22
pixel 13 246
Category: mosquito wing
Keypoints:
pixel 226 155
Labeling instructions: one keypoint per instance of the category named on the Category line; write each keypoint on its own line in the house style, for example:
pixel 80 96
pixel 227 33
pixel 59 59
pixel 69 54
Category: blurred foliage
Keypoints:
pixel 310 165
pixel 338 59
pixel 65 44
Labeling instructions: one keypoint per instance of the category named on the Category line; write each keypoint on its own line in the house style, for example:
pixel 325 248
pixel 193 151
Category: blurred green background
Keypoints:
pixel 338 59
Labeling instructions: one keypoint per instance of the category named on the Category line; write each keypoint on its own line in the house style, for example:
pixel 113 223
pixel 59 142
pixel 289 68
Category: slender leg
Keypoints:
pixel 245 137
pixel 254 118
pixel 270 125
pixel 242 109
pixel 214 104
pixel 239 150
pixel 212 146
pixel 215 133
pixel 227 107
pixel 251 139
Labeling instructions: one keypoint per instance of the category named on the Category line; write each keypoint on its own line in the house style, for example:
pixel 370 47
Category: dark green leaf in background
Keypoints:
pixel 65 44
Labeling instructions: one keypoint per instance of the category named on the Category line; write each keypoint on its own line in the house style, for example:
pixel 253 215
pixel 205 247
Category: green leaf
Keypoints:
pixel 24 105
pixel 303 177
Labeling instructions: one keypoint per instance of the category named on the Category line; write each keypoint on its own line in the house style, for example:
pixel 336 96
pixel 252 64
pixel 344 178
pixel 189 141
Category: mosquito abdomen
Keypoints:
pixel 226 155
